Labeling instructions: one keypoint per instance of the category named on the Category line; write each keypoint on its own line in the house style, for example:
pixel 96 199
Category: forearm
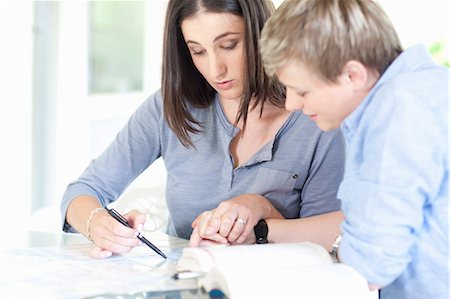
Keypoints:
pixel 320 229
pixel 79 210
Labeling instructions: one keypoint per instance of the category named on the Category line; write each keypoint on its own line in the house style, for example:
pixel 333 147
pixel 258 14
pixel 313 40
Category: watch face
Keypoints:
pixel 262 241
pixel 261 232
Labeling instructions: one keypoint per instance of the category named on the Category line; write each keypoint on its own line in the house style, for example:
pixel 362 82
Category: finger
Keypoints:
pixel 195 222
pixel 209 243
pixel 113 232
pixel 212 227
pixel 215 222
pixel 216 238
pixel 116 246
pixel 207 228
pixel 228 212
pixel 118 229
pixel 245 235
pixel 237 229
pixel 100 253
pixel 203 223
pixel 107 233
pixel 195 239
pixel 136 219
pixel 227 222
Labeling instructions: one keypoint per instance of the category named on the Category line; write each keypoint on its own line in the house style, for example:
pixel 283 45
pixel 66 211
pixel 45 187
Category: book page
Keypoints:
pixel 291 270
pixel 249 256
pixel 320 281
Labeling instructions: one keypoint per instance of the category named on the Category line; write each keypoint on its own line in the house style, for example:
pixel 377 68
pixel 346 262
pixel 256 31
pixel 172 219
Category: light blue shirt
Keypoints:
pixel 395 189
pixel 299 171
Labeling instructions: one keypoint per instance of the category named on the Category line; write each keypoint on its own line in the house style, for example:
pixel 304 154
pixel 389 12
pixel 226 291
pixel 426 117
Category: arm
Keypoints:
pixel 136 146
pixel 79 210
pixel 320 229
pixel 108 235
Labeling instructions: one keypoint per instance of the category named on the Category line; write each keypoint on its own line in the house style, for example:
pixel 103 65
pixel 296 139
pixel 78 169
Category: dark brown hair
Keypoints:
pixel 182 83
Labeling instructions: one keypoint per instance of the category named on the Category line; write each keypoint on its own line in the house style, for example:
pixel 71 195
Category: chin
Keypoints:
pixel 327 127
pixel 231 95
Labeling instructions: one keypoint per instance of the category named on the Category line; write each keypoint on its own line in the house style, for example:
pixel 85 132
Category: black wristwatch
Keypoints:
pixel 261 232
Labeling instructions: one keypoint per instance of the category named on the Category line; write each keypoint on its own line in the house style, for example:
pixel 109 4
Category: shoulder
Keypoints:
pixel 154 100
pixel 428 85
pixel 415 97
pixel 150 110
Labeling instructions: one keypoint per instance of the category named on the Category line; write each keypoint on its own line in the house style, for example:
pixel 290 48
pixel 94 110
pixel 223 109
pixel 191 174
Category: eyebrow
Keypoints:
pixel 216 39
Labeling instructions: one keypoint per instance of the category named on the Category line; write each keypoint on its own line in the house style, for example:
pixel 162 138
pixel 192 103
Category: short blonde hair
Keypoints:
pixel 326 34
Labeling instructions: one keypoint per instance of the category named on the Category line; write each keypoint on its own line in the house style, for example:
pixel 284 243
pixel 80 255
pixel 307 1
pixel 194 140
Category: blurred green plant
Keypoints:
pixel 438 51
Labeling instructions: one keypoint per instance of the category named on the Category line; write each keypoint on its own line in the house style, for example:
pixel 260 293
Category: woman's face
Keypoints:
pixel 216 44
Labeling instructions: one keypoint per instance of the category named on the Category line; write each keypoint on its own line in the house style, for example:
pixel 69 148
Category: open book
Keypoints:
pixel 291 270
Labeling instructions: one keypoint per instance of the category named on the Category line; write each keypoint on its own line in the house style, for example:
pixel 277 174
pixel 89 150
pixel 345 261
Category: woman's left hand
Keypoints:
pixel 233 220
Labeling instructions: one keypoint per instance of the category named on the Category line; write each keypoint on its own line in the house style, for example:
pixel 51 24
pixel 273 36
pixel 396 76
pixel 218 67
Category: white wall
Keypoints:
pixel 15 117
pixel 420 21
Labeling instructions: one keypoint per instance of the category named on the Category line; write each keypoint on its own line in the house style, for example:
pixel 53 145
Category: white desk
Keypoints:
pixel 53 265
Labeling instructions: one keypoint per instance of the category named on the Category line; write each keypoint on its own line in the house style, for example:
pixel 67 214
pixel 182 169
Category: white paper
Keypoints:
pixel 70 272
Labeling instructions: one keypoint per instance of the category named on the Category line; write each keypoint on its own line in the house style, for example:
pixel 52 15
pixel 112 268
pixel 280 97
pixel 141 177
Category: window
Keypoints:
pixel 109 62
pixel 116 46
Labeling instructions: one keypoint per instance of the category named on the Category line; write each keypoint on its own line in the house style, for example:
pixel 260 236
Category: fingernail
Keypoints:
pixel 141 243
pixel 136 233
pixel 209 230
pixel 140 227
pixel 106 254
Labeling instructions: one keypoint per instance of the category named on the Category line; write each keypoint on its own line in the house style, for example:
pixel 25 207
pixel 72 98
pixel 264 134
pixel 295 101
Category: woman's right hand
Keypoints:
pixel 110 236
pixel 232 221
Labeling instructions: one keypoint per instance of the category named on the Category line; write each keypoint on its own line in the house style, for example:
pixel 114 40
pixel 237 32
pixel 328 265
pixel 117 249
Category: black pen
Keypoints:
pixel 122 220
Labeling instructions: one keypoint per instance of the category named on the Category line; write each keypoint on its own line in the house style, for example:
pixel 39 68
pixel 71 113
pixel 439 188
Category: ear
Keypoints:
pixel 356 74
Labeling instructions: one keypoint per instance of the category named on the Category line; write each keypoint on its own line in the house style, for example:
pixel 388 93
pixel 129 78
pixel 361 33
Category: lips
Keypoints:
pixel 224 85
pixel 311 116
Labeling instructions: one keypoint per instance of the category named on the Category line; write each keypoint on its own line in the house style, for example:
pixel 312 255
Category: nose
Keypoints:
pixel 292 103
pixel 216 66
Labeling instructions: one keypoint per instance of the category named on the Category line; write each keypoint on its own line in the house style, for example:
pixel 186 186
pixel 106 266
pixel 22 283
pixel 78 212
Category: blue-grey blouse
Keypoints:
pixel 299 171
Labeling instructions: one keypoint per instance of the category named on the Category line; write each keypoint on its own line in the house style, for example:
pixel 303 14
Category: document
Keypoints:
pixel 291 270
pixel 70 272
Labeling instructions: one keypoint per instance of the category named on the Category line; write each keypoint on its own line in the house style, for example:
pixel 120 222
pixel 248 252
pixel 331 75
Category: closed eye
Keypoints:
pixel 197 52
pixel 229 47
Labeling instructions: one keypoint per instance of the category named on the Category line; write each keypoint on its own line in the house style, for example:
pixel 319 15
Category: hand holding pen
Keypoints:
pixel 124 221
pixel 111 236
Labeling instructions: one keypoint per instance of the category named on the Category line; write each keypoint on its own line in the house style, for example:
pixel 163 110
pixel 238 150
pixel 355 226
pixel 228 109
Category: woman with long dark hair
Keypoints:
pixel 234 156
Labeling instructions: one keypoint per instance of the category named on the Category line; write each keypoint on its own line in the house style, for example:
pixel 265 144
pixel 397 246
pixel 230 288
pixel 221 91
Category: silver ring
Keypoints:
pixel 241 221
